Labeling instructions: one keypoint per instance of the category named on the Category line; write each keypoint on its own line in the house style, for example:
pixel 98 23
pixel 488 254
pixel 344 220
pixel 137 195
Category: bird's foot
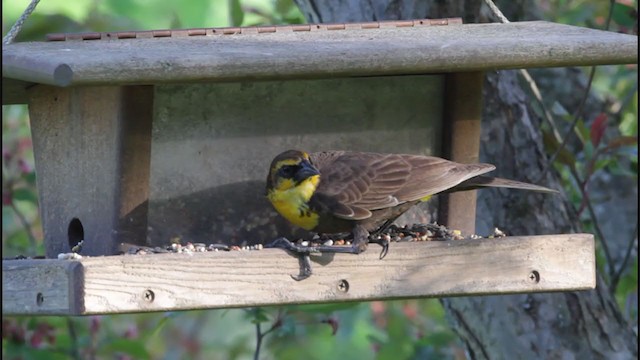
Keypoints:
pixel 384 242
pixel 284 243
pixel 302 252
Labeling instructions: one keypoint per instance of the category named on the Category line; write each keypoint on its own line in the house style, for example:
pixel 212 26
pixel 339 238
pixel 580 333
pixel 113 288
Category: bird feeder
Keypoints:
pixel 156 136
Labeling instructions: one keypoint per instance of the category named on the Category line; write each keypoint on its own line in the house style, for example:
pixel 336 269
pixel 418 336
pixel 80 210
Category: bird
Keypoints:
pixel 362 193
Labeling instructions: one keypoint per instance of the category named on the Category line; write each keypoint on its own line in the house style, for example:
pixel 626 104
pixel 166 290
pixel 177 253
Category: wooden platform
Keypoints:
pixel 168 282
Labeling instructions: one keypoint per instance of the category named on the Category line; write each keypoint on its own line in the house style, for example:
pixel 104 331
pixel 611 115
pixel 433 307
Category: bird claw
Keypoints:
pixel 302 252
pixel 305 268
pixel 385 249
pixel 385 246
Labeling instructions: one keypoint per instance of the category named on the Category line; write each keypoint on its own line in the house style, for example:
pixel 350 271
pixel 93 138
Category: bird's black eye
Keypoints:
pixel 288 171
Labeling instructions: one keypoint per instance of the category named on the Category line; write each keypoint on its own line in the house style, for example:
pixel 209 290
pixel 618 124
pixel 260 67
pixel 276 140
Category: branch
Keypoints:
pixel 615 279
pixel 576 117
pixel 74 351
pixel 26 225
pixel 7 183
pixel 578 112
pixel 260 335
pixel 596 225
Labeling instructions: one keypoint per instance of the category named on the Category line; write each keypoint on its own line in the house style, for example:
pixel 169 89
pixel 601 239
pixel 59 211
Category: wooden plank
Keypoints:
pixel 461 143
pixel 285 55
pixel 92 149
pixel 42 287
pixel 168 282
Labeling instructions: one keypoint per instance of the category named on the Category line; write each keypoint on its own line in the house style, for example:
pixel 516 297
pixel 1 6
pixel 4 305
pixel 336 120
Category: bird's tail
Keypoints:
pixel 487 181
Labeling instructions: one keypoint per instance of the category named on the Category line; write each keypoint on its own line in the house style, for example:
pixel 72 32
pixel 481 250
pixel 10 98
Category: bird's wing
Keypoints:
pixel 353 184
pixel 432 175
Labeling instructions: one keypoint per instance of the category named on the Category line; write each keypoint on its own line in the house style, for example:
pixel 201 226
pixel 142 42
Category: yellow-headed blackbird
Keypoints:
pixel 360 192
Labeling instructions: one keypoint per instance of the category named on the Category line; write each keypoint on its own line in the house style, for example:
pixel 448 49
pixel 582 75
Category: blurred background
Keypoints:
pixel 606 151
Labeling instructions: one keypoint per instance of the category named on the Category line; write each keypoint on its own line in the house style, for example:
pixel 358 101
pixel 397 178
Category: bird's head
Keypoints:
pixel 292 169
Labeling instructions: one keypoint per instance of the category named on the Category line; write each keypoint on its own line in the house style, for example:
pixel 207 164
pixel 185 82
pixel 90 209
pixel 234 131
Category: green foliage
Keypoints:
pixel 607 141
pixel 627 294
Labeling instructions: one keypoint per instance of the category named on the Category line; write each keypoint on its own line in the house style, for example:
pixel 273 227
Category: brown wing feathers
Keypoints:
pixel 430 175
pixel 354 184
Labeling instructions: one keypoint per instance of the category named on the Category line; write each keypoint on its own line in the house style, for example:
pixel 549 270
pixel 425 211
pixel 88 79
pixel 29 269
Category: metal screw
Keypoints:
pixel 39 299
pixel 149 296
pixel 534 276
pixel 343 285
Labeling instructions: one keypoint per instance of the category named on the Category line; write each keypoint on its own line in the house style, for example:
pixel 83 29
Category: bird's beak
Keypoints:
pixel 305 172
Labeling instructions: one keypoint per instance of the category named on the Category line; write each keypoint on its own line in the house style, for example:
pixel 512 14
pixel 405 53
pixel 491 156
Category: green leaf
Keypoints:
pixel 582 130
pixel 396 349
pixel 601 164
pixel 623 15
pixel 621 141
pixel 438 339
pixel 565 156
pixel 196 14
pixel 235 12
pixel 163 321
pixel 24 194
pixel 30 178
pixel 257 315
pixel 13 351
pixel 131 347
pixel 282 7
pixel 326 308
pixel 39 25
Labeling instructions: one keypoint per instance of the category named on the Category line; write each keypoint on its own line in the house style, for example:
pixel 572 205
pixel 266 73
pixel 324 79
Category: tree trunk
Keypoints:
pixel 567 325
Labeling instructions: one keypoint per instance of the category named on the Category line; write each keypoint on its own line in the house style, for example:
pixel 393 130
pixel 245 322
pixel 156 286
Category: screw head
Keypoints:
pixel 149 296
pixel 534 276
pixel 343 285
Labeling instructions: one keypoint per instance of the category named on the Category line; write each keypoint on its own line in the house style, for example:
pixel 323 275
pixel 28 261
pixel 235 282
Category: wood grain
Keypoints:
pixel 92 149
pixel 118 284
pixel 461 143
pixel 282 55
pixel 41 287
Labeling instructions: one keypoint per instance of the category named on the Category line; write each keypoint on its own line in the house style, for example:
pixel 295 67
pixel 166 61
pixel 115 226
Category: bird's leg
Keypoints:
pixel 304 251
pixel 384 242
pixel 356 248
pixel 360 239
pixel 305 268
pixel 359 245
pixel 284 243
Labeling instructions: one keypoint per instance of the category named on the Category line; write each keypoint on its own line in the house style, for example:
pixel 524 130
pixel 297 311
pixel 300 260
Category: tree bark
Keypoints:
pixel 571 325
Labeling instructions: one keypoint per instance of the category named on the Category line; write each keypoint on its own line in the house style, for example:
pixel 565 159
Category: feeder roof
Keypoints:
pixel 304 51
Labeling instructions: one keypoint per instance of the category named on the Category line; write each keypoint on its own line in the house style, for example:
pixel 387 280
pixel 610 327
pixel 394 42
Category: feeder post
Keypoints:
pixel 101 137
pixel 461 143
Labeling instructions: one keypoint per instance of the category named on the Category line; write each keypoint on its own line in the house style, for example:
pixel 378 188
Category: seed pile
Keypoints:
pixel 415 232
pixel 407 233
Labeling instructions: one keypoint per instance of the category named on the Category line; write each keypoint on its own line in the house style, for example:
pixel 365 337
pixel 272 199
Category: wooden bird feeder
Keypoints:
pixel 148 137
